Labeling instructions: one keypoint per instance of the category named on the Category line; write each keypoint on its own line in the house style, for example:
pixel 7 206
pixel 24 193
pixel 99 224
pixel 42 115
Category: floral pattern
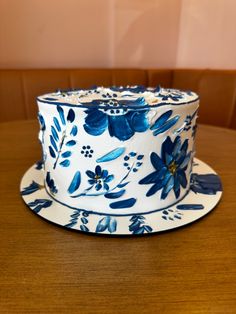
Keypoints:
pixel 170 168
pixel 99 178
pixel 121 123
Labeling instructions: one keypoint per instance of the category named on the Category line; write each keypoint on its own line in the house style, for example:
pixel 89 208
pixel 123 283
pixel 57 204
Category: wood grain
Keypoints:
pixel 47 269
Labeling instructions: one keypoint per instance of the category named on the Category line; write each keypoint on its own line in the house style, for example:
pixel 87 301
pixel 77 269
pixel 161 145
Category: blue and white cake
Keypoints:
pixel 118 150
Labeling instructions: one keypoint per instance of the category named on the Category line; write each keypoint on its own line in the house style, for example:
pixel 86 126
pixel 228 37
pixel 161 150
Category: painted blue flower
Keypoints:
pixel 170 168
pixel 100 178
pixel 121 123
pixel 167 94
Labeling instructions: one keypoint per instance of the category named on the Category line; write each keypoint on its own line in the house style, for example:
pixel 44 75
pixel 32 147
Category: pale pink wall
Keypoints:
pixel 117 33
pixel 207 34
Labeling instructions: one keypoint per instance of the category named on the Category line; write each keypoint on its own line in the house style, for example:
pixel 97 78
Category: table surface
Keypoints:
pixel 48 269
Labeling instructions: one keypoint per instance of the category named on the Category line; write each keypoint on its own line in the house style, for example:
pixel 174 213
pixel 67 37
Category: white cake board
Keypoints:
pixel 191 208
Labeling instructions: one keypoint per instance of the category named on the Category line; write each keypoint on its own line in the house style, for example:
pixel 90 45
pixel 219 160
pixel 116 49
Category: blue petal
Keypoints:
pixel 161 120
pixel 95 131
pixel 98 186
pixel 156 161
pixel 104 174
pixel 151 178
pixel 176 186
pixel 168 158
pixel 98 170
pixel 166 126
pixel 109 178
pixel 138 120
pixel 185 162
pixel 156 187
pixel 105 186
pixel 184 147
pixel 119 127
pixel 96 122
pixel 167 147
pixel 91 181
pixel 182 178
pixel 168 187
pixel 177 146
pixel 90 174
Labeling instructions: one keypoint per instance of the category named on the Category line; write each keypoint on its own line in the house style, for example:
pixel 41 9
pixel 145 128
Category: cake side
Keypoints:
pixel 118 155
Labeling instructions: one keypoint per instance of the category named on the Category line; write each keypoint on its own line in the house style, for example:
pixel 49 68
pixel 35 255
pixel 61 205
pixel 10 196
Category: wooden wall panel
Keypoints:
pixel 217 88
pixel 12 102
pixel 129 77
pixel 39 82
pixel 160 77
pixel 85 78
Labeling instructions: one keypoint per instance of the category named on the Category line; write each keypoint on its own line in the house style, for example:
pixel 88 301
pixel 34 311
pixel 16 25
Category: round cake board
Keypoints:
pixel 196 204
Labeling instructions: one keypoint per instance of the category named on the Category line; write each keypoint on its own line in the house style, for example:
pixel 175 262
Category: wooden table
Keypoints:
pixel 47 269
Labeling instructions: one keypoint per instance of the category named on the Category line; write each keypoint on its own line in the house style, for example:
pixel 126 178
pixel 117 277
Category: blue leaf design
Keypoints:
pixel 84 228
pixel 65 163
pixel 74 130
pixel 71 143
pixel 123 204
pixel 190 207
pixel 115 153
pixel 84 220
pixel 31 188
pixel 38 204
pixel 71 115
pixel 112 225
pixel 139 230
pixel 147 228
pixel 107 223
pixel 103 224
pixel 66 154
pixel 166 126
pixel 75 183
pixel 161 120
pixel 54 133
pixel 51 151
pixel 53 143
pixel 61 114
pixel 121 185
pixel 57 124
pixel 115 194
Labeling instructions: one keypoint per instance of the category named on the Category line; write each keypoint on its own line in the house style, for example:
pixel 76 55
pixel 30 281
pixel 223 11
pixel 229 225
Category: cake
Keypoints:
pixel 118 150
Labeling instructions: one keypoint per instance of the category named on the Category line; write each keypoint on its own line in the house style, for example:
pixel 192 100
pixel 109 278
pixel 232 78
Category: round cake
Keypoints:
pixel 118 150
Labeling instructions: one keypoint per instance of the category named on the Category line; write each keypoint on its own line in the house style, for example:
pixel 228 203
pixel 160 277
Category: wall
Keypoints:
pixel 118 33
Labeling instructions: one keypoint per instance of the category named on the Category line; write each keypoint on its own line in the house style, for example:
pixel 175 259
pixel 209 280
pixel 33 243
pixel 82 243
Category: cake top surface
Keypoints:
pixel 120 96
